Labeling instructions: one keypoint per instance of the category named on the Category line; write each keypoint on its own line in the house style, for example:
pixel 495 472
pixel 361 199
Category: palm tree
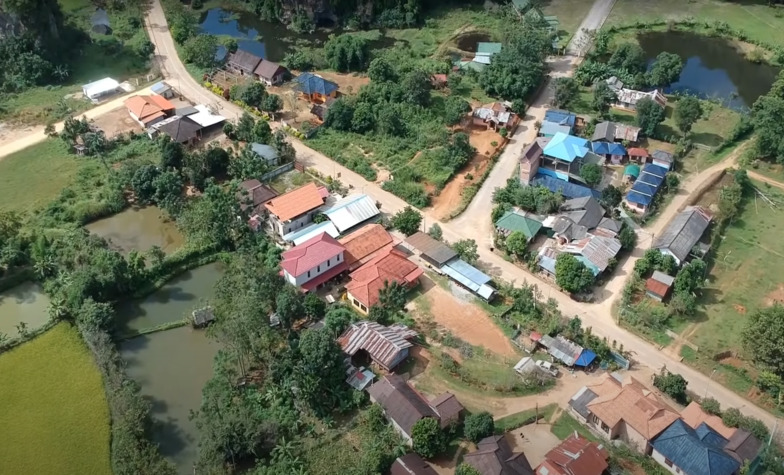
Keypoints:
pixel 57 308
pixel 44 267
pixel 60 72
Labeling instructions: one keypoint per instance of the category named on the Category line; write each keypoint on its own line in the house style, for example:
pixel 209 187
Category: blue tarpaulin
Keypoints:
pixel 586 358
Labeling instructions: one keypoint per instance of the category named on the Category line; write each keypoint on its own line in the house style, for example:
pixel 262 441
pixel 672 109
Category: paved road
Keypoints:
pixel 475 223
pixel 592 22
pixel 37 134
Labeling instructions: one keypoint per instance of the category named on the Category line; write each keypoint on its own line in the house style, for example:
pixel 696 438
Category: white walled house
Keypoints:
pixel 296 209
pixel 314 262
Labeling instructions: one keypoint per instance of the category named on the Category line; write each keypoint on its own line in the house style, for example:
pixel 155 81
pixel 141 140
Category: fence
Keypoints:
pixel 277 172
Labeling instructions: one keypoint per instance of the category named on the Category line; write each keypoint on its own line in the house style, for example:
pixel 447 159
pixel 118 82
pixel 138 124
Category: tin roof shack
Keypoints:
pixel 386 346
pixel 683 233
pixel 658 285
pixel 243 62
pixel 430 250
pixel 495 115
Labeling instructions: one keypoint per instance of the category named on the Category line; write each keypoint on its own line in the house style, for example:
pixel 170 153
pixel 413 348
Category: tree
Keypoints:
pixel 247 165
pixel 566 91
pixel 95 143
pixel 347 52
pixel 732 417
pixel 338 319
pixel 672 385
pixel 766 116
pixel 711 406
pixel 465 469
pixel 380 70
pixel 603 98
pixel 285 150
pixel 435 232
pixel 459 151
pixel 416 88
pixel 143 184
pixel 455 108
pixel 407 221
pixel 519 68
pixel 428 440
pixel 687 111
pixel 665 70
pixel 591 173
pixel 314 307
pixel 253 94
pixel 649 115
pixel 320 363
pixel 611 196
pixel 172 154
pixel 271 104
pixel 467 250
pixel 517 244
pixel 478 426
pixel 763 338
pixel 200 50
pixel 364 119
pixel 339 115
pixel 628 57
pixel 627 237
pixel 168 191
pixel 571 274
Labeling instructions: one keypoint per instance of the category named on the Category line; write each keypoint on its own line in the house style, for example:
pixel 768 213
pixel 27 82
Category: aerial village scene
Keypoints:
pixel 500 237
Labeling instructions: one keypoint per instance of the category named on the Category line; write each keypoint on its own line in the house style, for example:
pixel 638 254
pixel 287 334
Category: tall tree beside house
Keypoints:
pixel 347 52
pixel 416 87
pixel 516 244
pixel 286 151
pixel 572 275
pixel 591 173
pixel 649 115
pixel 666 70
pixel 518 69
pixel 478 426
pixel 611 196
pixel 566 91
pixel 603 98
pixel 391 302
pixel 200 50
pixel 467 250
pixel 407 221
pixel 253 94
pixel 627 237
pixel 763 338
pixel 673 385
pixel 455 108
pixel 271 104
pixel 687 111
pixel 340 115
pixel 427 437
pixel 380 70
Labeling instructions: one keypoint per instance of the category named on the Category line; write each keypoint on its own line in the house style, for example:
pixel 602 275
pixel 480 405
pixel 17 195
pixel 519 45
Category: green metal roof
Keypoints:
pixel 512 222
pixel 522 5
pixel 466 65
pixel 488 48
pixel 632 170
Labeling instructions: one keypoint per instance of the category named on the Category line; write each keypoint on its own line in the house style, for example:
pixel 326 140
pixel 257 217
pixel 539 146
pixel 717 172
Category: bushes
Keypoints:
pixel 478 426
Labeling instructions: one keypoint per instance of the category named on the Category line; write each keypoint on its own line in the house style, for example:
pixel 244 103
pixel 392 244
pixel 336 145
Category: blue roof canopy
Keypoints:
pixel 560 117
pixel 644 188
pixel 310 83
pixel 569 190
pixel 566 147
pixel 655 170
pixel 586 358
pixel 608 148
pixel 639 198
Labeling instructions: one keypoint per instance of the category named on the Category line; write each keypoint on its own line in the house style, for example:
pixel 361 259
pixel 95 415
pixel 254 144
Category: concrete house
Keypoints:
pixel 385 346
pixel 563 156
pixel 404 406
pixel 741 445
pixel 627 99
pixel 683 233
pixel 149 110
pixel 315 88
pixel 314 262
pixel 683 450
pixel 270 73
pixel 295 210
pixel 367 281
pixel 623 409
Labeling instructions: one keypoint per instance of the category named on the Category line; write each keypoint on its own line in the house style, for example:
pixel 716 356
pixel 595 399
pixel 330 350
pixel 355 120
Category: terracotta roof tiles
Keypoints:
pixel 296 202
pixel 365 244
pixel 368 280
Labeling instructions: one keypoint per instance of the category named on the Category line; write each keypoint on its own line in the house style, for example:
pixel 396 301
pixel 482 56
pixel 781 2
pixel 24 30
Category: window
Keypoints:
pixel 318 268
pixel 605 427
pixel 308 274
pixel 328 263
pixel 668 462
pixel 364 309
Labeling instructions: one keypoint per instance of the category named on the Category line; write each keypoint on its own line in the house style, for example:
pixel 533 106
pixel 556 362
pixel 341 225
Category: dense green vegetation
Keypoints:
pixel 55 52
pixel 55 407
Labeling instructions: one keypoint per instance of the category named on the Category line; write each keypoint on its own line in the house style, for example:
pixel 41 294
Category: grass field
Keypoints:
pixel 34 176
pixel 55 418
pixel 759 21
pixel 566 425
pixel 513 421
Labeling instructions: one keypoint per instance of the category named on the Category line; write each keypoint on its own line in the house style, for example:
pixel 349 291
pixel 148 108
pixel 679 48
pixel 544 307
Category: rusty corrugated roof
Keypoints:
pixel 383 344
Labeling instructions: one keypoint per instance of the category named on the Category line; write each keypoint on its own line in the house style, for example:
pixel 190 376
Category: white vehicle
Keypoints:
pixel 547 367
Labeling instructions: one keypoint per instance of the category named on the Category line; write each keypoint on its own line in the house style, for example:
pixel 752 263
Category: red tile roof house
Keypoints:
pixel 314 262
pixel 366 244
pixel 404 406
pixel 149 110
pixel 368 280
pixel 294 210
pixel 576 455
pixel 626 410
pixel 386 346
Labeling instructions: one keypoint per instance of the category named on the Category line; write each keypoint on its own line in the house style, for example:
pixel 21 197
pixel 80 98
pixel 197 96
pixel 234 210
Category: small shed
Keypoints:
pixel 525 365
pixel 266 153
pixel 103 87
pixel 662 159
pixel 100 22
pixel 639 155
pixel 162 89
pixel 631 172
pixel 658 285
pixel 202 317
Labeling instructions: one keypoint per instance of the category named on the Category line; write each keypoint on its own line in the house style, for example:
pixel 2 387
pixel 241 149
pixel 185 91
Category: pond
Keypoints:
pixel 172 367
pixel 23 303
pixel 139 229
pixel 713 68
pixel 174 301
pixel 266 39
pixel 467 41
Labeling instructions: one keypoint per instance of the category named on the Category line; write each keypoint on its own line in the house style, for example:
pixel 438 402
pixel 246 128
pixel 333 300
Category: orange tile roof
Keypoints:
pixel 658 288
pixel 575 456
pixel 296 202
pixel 693 415
pixel 368 280
pixel 147 108
pixel 365 244
pixel 637 406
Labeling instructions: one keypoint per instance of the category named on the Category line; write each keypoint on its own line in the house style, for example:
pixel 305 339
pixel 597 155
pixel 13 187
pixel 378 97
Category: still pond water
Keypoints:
pixel 139 229
pixel 265 39
pixel 172 367
pixel 713 68
pixel 23 303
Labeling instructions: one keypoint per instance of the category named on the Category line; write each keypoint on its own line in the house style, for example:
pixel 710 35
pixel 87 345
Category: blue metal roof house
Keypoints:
pixel 650 181
pixel 693 452
pixel 608 148
pixel 565 147
pixel 315 87
pixel 561 117
pixel 568 190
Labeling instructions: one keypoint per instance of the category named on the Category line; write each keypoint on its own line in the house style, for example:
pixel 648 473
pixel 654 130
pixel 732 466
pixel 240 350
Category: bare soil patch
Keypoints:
pixel 349 83
pixel 739 308
pixel 468 322
pixel 733 361
pixel 777 296
pixel 116 122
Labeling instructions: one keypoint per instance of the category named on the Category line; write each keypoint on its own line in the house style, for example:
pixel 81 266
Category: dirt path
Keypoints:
pixel 770 181
pixel 466 321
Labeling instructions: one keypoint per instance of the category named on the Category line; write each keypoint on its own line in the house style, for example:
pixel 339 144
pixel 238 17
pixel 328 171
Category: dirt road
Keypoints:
pixel 598 13
pixel 36 134
pixel 770 181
